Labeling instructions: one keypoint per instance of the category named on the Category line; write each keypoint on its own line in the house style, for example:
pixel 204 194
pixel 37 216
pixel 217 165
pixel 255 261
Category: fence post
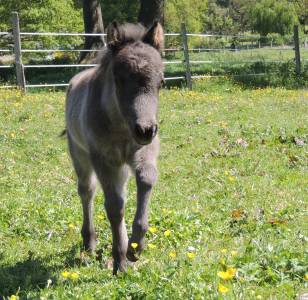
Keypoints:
pixel 297 51
pixel 186 56
pixel 20 75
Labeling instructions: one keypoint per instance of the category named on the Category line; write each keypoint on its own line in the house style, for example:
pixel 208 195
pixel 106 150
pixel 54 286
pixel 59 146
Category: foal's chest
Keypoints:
pixel 117 151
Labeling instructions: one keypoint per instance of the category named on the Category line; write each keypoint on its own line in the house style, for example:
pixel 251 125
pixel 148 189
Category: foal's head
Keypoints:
pixel 138 74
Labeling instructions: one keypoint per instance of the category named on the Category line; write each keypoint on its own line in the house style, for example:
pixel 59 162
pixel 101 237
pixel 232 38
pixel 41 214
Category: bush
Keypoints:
pixel 276 39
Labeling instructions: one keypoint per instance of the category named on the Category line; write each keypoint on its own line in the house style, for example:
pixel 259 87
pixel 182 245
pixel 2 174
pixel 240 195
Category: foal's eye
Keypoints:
pixel 162 82
pixel 142 81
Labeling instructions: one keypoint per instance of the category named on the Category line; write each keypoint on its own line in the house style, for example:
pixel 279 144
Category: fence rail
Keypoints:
pixel 60 66
pixel 59 50
pixel 61 34
pixel 186 62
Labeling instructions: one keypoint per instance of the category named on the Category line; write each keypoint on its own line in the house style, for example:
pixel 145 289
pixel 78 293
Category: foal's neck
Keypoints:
pixel 109 102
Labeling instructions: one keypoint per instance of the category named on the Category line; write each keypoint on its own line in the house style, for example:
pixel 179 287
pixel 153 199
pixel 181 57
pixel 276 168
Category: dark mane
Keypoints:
pixel 103 59
pixel 131 32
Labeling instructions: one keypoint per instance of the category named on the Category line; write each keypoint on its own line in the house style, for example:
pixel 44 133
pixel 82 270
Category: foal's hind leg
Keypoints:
pixel 86 190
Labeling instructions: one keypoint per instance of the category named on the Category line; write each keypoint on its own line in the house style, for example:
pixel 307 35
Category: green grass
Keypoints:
pixel 233 177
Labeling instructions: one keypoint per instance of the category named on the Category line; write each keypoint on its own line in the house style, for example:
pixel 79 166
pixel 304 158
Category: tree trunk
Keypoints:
pixel 151 10
pixel 93 23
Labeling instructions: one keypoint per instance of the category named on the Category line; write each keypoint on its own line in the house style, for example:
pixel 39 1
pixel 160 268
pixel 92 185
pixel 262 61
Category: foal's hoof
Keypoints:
pixel 134 250
pixel 119 267
pixel 132 254
pixel 86 258
pixel 89 244
pixel 90 249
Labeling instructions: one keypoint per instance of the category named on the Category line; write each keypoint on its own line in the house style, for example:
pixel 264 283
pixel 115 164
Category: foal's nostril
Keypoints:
pixel 155 128
pixel 146 133
pixel 149 133
pixel 139 131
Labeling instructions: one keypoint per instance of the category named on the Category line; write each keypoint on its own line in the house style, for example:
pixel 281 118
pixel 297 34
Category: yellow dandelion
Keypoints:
pixel 229 274
pixel 134 245
pixel 74 276
pixel 222 289
pixel 153 229
pixel 231 178
pixel 172 254
pixel 306 277
pixel 234 253
pixel 71 226
pixel 223 250
pixel 12 134
pixel 167 233
pixel 14 297
pixel 191 255
pixel 65 274
pixel 152 246
pixel 231 271
pixel 101 217
pixel 223 275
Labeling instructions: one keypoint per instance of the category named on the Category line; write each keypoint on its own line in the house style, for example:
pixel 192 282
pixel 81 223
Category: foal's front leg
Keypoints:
pixel 146 176
pixel 115 204
pixel 113 181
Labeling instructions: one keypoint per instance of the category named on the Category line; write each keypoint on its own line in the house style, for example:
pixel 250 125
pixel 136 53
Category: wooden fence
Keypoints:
pixel 188 77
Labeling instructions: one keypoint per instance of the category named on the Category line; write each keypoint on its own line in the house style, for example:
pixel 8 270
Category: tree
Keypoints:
pixel 191 12
pixel 301 7
pixel 271 16
pixel 120 11
pixel 239 12
pixel 93 23
pixel 151 10
pixel 217 19
pixel 43 16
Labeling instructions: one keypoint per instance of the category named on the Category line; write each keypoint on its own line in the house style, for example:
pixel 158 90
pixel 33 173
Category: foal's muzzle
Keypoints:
pixel 144 135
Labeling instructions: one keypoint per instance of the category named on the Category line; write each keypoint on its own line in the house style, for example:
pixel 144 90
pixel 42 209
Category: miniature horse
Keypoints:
pixel 111 125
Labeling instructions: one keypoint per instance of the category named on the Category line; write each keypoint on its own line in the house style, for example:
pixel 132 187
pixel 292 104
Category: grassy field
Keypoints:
pixel 227 216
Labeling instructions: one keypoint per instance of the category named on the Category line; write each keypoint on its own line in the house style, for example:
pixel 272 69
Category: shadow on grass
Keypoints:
pixel 33 273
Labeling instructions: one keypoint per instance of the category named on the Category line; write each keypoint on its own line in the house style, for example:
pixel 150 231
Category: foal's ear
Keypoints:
pixel 155 36
pixel 114 36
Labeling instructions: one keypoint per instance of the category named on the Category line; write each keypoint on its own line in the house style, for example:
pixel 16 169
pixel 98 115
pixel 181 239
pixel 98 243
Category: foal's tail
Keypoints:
pixel 63 133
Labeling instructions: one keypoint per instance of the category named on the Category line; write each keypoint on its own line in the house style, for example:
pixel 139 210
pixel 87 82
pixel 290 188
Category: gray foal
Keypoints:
pixel 111 123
